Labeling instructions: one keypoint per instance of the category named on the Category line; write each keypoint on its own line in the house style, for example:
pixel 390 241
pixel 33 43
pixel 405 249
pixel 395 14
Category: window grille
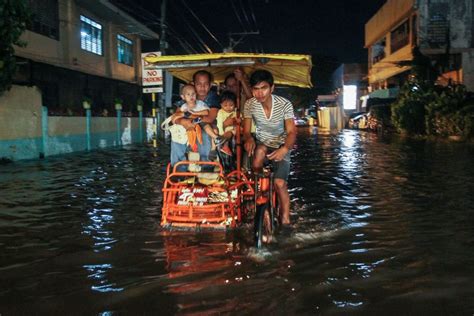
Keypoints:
pixel 91 36
pixel 400 37
pixel 44 18
pixel 124 50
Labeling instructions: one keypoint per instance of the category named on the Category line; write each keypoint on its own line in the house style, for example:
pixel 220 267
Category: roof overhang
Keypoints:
pixel 389 15
pixel 287 69
pixel 106 10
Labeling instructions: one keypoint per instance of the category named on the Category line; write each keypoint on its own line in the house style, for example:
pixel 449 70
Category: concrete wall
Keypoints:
pixel 26 131
pixel 468 69
pixel 459 16
pixel 391 13
pixel 20 123
pixel 68 134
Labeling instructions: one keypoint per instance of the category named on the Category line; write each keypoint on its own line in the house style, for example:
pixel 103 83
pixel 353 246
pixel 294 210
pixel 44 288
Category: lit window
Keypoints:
pixel 124 50
pixel 91 36
pixel 378 51
pixel 350 97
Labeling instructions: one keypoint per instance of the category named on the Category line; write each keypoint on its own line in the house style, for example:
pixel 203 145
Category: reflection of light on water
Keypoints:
pixel 351 163
pixel 348 139
pixel 98 273
pixel 353 302
pixel 365 269
pixel 100 218
pixel 349 157
pixel 186 257
pixel 347 304
pixel 351 298
pixel 361 250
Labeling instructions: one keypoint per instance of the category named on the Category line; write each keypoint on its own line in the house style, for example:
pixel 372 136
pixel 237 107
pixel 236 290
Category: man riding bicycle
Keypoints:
pixel 275 134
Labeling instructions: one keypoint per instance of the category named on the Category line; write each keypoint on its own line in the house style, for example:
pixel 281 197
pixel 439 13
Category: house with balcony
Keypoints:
pixel 82 48
pixel 442 30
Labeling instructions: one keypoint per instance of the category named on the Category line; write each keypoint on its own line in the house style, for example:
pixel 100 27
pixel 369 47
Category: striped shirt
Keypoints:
pixel 270 131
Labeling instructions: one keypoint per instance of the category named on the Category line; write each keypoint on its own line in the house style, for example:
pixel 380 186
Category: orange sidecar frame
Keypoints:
pixel 182 207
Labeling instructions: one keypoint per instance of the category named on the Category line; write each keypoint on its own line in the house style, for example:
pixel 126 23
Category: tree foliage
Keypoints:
pixel 432 110
pixel 14 15
pixel 408 112
pixel 451 113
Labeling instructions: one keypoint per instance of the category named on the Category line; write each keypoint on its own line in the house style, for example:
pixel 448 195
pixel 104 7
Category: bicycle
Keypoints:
pixel 267 210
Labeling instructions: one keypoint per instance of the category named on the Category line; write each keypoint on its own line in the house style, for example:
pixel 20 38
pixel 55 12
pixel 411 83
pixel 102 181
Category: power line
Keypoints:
pixel 153 20
pixel 204 46
pixel 253 15
pixel 202 24
pixel 237 15
pixel 184 44
pixel 245 14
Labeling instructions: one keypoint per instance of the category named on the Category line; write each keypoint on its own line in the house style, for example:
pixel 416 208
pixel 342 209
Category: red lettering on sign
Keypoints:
pixel 153 79
pixel 151 72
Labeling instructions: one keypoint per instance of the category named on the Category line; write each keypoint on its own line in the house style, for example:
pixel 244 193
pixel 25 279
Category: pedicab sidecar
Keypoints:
pixel 218 199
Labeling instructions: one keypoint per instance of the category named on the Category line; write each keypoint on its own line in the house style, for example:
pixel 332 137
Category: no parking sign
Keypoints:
pixel 150 75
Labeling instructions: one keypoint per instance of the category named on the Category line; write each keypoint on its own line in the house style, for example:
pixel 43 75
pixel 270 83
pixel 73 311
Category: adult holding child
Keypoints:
pixel 202 83
pixel 202 80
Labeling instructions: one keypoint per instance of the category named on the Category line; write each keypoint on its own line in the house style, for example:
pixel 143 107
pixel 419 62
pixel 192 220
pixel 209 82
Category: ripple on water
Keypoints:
pixel 379 224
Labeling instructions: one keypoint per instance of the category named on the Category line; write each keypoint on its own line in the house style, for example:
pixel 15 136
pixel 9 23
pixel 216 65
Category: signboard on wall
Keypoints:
pixel 438 25
pixel 150 75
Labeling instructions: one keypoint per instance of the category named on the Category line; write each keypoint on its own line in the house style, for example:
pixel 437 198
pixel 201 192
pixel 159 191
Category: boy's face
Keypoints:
pixel 228 106
pixel 262 91
pixel 189 95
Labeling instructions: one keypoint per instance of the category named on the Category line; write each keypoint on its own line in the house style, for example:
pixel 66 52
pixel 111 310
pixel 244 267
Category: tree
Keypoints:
pixel 14 15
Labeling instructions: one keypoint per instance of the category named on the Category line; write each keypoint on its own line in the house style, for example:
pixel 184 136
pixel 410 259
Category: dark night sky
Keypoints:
pixel 331 31
pixel 330 28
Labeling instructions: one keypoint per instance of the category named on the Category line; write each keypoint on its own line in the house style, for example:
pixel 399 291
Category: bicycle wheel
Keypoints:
pixel 263 226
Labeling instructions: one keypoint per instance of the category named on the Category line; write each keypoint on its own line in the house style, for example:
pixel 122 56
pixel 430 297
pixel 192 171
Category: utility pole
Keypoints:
pixel 233 42
pixel 163 47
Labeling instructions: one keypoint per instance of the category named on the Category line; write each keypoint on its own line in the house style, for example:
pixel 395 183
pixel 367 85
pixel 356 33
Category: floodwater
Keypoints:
pixel 382 225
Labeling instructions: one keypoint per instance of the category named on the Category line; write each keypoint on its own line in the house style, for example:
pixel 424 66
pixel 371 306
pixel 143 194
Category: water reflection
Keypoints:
pixel 186 255
pixel 381 224
pixel 100 219
pixel 100 201
pixel 98 273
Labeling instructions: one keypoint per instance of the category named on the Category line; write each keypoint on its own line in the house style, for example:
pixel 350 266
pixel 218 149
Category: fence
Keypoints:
pixel 27 132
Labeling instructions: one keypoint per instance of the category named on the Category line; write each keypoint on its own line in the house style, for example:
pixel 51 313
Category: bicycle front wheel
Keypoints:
pixel 263 225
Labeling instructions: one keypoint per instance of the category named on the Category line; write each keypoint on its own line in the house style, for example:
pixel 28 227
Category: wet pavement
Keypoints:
pixel 382 225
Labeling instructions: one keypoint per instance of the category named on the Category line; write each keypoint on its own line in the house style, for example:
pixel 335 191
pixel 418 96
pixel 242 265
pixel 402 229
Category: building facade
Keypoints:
pixel 81 48
pixel 443 30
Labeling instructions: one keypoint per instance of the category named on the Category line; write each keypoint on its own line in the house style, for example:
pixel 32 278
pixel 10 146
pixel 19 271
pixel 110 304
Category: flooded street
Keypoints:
pixel 382 225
